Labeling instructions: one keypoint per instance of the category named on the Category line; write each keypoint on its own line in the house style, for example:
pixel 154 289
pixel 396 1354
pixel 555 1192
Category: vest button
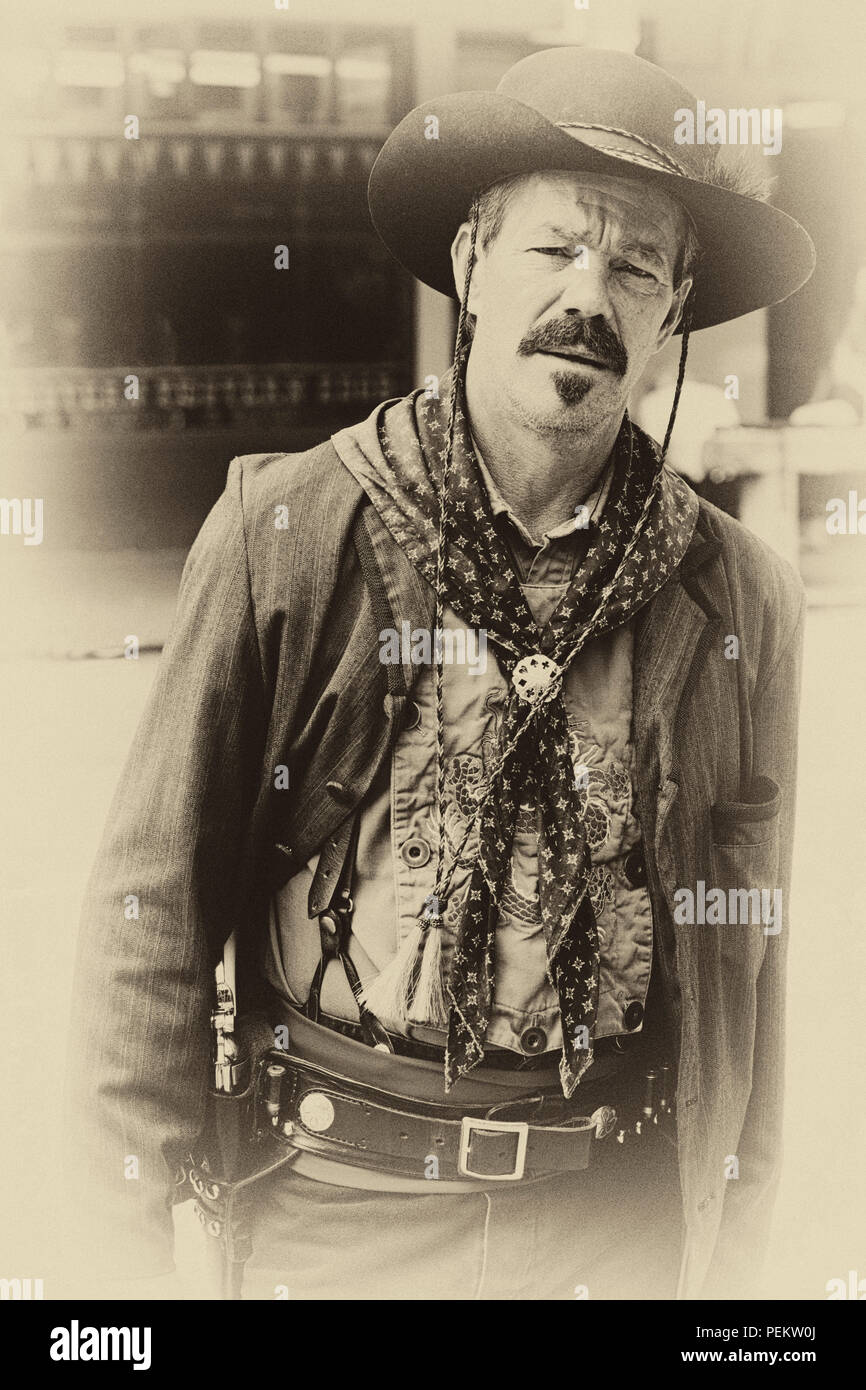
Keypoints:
pixel 415 852
pixel 635 868
pixel 633 1014
pixel 533 1040
pixel 412 717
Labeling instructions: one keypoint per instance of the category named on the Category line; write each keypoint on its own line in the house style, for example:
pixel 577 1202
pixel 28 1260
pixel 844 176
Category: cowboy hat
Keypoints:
pixel 596 112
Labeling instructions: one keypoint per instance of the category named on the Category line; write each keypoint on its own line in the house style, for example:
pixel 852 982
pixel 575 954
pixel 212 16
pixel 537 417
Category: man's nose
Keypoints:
pixel 584 286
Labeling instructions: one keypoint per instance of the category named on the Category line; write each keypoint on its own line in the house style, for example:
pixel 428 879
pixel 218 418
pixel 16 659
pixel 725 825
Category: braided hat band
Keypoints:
pixel 664 160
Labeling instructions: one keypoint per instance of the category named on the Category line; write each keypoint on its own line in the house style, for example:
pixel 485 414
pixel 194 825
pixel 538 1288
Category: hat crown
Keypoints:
pixel 603 89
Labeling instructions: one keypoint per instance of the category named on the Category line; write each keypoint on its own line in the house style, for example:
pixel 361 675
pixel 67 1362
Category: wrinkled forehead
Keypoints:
pixel 592 204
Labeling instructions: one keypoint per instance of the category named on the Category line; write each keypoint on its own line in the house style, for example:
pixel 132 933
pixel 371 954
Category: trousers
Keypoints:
pixel 612 1231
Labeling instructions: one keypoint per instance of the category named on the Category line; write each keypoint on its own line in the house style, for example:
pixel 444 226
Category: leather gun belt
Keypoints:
pixel 319 1111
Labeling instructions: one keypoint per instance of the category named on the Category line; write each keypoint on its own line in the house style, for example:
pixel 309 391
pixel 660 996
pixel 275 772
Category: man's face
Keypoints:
pixel 573 296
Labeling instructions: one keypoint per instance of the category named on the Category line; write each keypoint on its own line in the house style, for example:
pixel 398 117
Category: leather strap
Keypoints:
pixel 621 1054
pixel 378 593
pixel 335 929
pixel 496 1059
pixel 324 1113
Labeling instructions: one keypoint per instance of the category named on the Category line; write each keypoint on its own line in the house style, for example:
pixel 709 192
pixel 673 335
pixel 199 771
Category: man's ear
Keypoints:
pixel 675 313
pixel 459 255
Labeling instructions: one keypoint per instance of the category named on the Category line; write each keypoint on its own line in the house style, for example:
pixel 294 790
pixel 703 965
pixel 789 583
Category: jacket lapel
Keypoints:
pixel 672 637
pixel 408 596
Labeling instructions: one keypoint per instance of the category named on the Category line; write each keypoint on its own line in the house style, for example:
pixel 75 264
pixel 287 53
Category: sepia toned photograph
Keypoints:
pixel 432 623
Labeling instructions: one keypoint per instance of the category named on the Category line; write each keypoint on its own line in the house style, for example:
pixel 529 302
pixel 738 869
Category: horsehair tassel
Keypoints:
pixel 389 994
pixel 429 1004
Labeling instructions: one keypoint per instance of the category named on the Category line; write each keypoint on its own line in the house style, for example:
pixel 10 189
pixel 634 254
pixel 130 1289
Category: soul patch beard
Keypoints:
pixel 572 387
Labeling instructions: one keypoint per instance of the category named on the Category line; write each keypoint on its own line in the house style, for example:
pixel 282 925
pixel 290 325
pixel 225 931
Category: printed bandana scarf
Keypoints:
pixel 644 532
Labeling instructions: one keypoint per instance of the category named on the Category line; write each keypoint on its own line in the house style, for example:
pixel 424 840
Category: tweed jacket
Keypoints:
pixel 273 662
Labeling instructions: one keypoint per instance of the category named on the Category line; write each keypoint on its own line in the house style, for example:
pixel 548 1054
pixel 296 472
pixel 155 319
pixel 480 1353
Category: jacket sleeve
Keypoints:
pixel 749 1198
pixel 166 890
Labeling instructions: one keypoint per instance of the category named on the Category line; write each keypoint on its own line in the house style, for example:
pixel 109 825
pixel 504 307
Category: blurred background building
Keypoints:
pixel 153 157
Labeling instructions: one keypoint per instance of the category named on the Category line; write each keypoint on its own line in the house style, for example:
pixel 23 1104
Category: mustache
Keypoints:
pixel 592 335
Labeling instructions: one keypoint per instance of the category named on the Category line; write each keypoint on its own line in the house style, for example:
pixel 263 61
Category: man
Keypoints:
pixel 462 709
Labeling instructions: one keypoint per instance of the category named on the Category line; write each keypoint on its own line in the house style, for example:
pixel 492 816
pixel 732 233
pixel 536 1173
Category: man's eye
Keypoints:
pixel 637 270
pixel 552 251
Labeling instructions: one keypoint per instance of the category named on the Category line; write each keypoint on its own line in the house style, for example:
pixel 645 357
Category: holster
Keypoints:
pixel 237 1146
pixel 233 1152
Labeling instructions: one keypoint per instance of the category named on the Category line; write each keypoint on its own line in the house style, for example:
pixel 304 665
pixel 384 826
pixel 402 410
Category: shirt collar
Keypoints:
pixel 594 504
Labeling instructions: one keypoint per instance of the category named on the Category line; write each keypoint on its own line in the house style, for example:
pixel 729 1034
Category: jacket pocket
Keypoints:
pixel 744 859
pixel 751 822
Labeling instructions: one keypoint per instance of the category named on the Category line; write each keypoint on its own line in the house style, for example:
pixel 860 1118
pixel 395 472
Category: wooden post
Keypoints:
pixel 436 73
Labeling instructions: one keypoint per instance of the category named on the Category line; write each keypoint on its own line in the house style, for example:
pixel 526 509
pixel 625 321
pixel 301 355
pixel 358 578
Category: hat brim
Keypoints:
pixel 420 190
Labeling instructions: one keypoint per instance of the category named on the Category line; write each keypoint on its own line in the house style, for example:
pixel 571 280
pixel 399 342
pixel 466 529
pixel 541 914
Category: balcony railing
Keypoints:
pixel 181 183
pixel 49 158
pixel 191 398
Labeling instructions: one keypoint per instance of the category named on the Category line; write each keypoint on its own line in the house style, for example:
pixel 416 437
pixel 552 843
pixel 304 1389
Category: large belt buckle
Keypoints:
pixel 520 1128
